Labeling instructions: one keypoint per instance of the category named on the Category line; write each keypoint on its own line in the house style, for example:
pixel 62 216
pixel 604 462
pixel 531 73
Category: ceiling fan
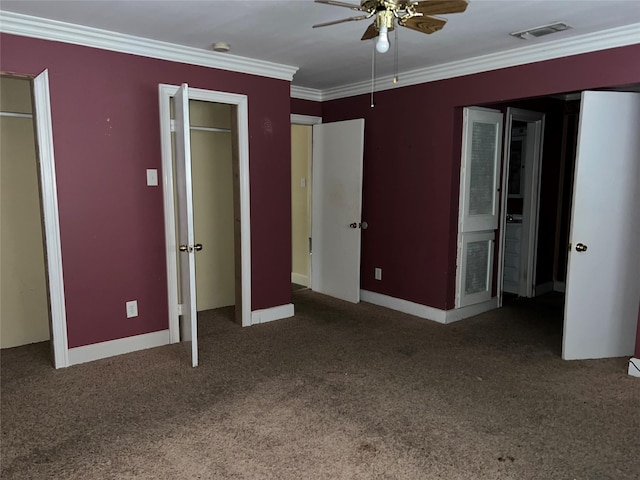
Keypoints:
pixel 412 14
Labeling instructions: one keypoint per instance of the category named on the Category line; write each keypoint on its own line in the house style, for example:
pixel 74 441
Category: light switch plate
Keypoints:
pixel 132 309
pixel 378 274
pixel 152 177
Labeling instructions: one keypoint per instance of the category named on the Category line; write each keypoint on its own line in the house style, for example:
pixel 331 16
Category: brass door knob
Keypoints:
pixel 581 247
pixel 183 248
pixel 353 225
pixel 197 247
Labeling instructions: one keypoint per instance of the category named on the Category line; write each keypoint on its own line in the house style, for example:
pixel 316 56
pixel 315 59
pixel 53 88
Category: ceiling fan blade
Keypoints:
pixel 335 22
pixel 423 24
pixel 441 7
pixel 340 4
pixel 370 32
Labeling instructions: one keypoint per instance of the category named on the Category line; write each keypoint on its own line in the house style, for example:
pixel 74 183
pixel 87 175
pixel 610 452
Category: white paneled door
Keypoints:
pixel 603 279
pixel 336 222
pixel 478 219
pixel 186 235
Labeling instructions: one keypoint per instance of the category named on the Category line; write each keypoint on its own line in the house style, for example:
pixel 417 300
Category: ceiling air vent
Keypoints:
pixel 541 31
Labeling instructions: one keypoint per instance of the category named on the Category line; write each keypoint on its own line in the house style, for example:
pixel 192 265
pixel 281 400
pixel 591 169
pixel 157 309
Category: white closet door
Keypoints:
pixel 478 219
pixel 186 236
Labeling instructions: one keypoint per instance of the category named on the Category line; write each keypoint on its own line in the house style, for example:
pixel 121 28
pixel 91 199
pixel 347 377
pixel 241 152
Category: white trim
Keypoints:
pixel 241 102
pixel 304 93
pixel 111 348
pixel 270 314
pixel 305 119
pixel 300 279
pixel 543 288
pixel 424 311
pixel 457 314
pixel 51 220
pixel 633 370
pixel 47 29
pixel 591 42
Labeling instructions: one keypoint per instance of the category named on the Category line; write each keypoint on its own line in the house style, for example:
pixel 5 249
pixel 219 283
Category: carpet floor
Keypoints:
pixel 339 391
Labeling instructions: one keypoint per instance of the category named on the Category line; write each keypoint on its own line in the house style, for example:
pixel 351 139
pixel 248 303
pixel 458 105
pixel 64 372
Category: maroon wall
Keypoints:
pixel 306 107
pixel 106 133
pixel 412 163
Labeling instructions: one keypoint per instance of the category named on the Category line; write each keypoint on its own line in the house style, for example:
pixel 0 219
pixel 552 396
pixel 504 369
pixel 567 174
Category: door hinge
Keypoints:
pixel 309 245
pixel 173 125
pixel 180 309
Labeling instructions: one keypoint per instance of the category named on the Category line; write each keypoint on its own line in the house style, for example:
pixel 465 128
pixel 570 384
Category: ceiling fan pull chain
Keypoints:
pixel 395 58
pixel 373 73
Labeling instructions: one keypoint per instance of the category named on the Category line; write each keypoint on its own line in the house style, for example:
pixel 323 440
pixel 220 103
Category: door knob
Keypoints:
pixel 353 225
pixel 364 225
pixel 197 247
pixel 581 247
pixel 183 248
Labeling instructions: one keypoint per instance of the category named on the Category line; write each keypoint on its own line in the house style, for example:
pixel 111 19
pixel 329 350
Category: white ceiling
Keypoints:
pixel 280 30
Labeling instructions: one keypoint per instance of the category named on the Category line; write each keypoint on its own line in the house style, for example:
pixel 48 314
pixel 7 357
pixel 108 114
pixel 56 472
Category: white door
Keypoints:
pixel 336 208
pixel 603 280
pixel 186 240
pixel 478 218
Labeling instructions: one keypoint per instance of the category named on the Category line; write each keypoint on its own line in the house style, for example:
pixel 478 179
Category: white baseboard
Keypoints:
pixel 634 368
pixel 270 314
pixel 461 313
pixel 89 353
pixel 543 288
pixel 559 286
pixel 404 306
pixel 300 279
pixel 424 311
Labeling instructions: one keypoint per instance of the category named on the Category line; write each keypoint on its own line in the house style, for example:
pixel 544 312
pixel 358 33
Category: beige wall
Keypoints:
pixel 213 205
pixel 300 202
pixel 24 311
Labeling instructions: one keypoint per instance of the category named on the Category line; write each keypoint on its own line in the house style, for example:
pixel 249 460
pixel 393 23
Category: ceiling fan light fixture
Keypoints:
pixel 384 22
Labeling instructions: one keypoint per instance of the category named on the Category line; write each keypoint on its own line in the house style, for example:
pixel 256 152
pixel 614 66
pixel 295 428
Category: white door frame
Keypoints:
pixel 531 195
pixel 242 129
pixel 310 120
pixel 51 218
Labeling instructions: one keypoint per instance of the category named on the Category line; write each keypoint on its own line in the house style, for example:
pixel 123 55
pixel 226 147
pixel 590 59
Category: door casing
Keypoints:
pixel 242 129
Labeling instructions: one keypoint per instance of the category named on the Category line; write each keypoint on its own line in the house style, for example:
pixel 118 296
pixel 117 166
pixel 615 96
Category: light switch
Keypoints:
pixel 152 177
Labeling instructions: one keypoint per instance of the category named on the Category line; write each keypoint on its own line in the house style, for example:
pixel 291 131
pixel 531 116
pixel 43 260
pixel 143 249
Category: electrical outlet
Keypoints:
pixel 378 274
pixel 132 309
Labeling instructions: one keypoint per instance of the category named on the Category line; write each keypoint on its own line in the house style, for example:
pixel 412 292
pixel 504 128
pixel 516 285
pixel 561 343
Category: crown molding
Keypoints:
pixel 28 26
pixel 304 93
pixel 612 38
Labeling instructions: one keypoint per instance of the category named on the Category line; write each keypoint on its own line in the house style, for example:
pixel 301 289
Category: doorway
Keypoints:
pixel 33 307
pixel 235 128
pixel 524 141
pixel 301 153
pixel 24 318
